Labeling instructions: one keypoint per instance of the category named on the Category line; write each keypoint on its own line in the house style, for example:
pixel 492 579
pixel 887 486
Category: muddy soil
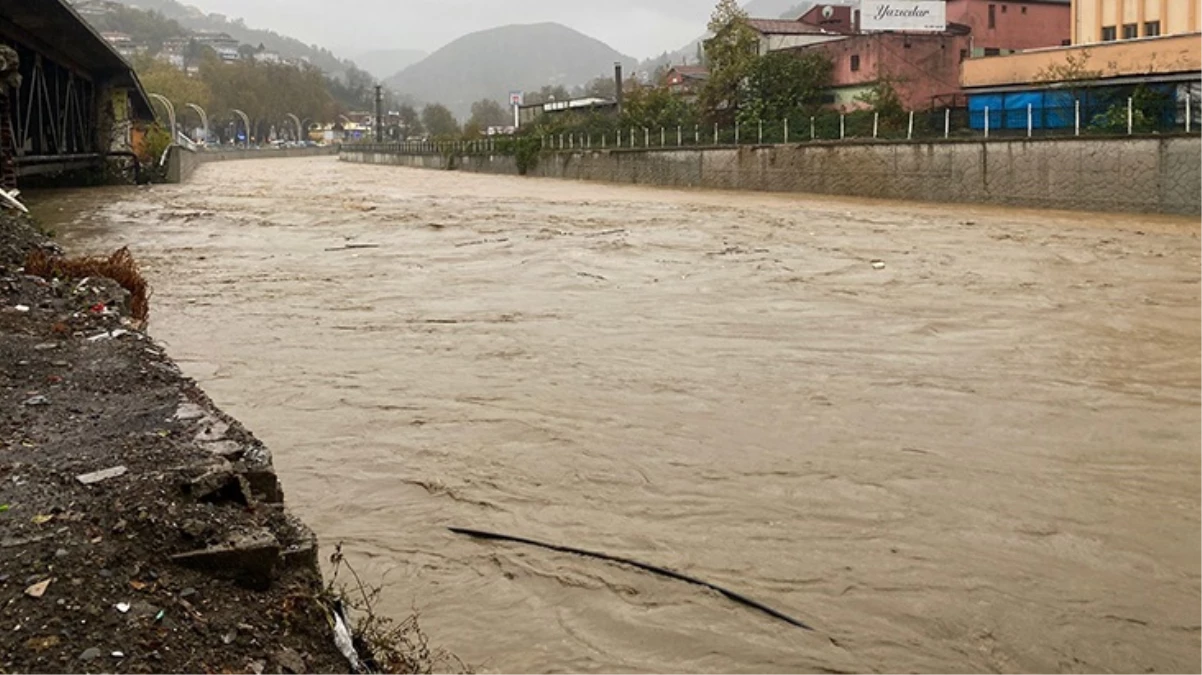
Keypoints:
pixel 111 462
pixel 951 439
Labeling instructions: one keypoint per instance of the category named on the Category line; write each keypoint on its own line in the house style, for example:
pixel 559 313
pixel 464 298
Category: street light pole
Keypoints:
pixel 245 122
pixel 204 118
pixel 296 120
pixel 170 113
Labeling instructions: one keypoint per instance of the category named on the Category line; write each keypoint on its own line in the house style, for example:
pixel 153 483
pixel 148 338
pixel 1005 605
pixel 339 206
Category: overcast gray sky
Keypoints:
pixel 636 28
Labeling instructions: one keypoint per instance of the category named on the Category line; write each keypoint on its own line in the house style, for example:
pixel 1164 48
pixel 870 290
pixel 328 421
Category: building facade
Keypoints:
pixel 1112 20
pixel 686 80
pixel 924 68
pixel 1005 26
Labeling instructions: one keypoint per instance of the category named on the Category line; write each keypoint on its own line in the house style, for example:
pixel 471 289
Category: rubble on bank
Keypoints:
pixel 141 529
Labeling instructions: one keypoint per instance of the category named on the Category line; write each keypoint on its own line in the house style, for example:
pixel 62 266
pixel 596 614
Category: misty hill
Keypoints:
pixel 194 19
pixel 491 63
pixel 383 63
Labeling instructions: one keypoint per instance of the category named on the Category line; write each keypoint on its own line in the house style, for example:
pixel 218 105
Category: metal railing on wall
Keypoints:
pixel 1116 118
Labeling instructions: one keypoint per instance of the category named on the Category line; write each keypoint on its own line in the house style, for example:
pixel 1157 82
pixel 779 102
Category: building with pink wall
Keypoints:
pixel 924 68
pixel 1003 26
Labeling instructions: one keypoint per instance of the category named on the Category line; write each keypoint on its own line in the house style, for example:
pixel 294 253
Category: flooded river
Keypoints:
pixel 981 454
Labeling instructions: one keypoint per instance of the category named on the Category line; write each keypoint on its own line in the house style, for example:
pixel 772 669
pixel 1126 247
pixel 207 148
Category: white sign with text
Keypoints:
pixel 928 16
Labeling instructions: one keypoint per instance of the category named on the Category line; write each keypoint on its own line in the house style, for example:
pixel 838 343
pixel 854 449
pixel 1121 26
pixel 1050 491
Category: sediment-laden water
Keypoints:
pixel 979 454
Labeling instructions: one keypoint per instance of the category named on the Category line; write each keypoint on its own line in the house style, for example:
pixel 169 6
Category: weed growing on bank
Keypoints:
pixel 384 644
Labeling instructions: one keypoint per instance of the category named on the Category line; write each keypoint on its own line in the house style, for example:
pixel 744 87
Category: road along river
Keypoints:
pixel 979 454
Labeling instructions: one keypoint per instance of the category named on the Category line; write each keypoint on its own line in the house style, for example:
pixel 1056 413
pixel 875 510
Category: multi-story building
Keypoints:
pixel 686 80
pixel 1120 50
pixel 1111 20
pixel 924 67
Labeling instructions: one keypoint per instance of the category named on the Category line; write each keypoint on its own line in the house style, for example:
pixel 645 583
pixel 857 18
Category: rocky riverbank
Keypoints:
pixel 141 529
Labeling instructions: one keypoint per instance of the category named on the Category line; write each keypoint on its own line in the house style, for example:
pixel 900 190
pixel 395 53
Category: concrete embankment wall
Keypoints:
pixel 1142 174
pixel 182 162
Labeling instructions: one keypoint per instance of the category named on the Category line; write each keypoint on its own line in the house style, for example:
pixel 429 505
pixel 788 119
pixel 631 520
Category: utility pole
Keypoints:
pixel 379 114
pixel 618 93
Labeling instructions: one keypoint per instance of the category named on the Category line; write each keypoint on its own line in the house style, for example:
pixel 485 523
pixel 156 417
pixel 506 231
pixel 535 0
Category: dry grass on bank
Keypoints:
pixel 120 267
pixel 387 645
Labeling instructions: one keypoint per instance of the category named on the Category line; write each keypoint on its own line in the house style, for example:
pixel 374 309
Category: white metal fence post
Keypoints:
pixel 1030 119
pixel 760 138
pixel 842 128
pixel 715 133
pixel 646 137
pixel 876 118
pixel 813 135
pixel 1076 117
pixel 986 121
pixel 786 131
pixel 910 127
pixel 947 122
pixel 696 134
pixel 663 137
pixel 736 132
pixel 1130 115
pixel 679 136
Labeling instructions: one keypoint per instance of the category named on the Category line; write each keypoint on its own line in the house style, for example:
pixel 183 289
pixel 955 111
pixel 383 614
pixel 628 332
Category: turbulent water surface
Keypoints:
pixel 980 454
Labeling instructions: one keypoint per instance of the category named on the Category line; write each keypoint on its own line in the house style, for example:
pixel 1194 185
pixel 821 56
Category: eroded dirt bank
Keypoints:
pixel 981 454
pixel 111 464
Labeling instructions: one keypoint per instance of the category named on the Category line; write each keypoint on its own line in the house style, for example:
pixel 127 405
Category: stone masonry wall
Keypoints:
pixel 1142 175
pixel 182 163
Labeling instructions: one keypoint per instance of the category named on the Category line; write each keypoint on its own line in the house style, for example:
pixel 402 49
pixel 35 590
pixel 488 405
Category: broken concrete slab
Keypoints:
pixel 213 430
pixel 188 412
pixel 220 484
pixel 251 558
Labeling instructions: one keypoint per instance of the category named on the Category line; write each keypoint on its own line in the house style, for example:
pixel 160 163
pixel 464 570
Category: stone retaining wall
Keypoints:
pixel 182 162
pixel 1141 174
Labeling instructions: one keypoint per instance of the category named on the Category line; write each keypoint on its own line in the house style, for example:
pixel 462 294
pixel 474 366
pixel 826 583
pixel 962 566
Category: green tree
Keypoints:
pixel 730 53
pixel 780 84
pixel 411 121
pixel 883 99
pixel 438 121
pixel 656 107
pixel 548 93
pixel 488 113
pixel 162 78
pixel 601 87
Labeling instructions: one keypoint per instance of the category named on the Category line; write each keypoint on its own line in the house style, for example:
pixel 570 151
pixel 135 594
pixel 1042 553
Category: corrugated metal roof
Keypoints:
pixel 54 28
pixel 783 27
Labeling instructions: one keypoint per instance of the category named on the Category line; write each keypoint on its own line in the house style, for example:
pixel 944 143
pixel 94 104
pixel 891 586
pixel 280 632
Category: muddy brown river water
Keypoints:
pixel 982 457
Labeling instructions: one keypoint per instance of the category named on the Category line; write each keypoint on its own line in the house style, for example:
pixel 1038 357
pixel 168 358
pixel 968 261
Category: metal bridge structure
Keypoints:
pixel 76 99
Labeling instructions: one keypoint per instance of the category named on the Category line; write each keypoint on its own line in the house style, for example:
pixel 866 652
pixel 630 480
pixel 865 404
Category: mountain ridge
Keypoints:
pixel 492 62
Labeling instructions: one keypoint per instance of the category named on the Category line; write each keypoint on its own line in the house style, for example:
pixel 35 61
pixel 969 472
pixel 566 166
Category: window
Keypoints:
pixel 993 16
pixel 1004 8
pixel 1152 29
pixel 1024 10
pixel 1065 43
pixel 993 51
pixel 1108 34
pixel 963 55
pixel 855 62
pixel 1130 31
